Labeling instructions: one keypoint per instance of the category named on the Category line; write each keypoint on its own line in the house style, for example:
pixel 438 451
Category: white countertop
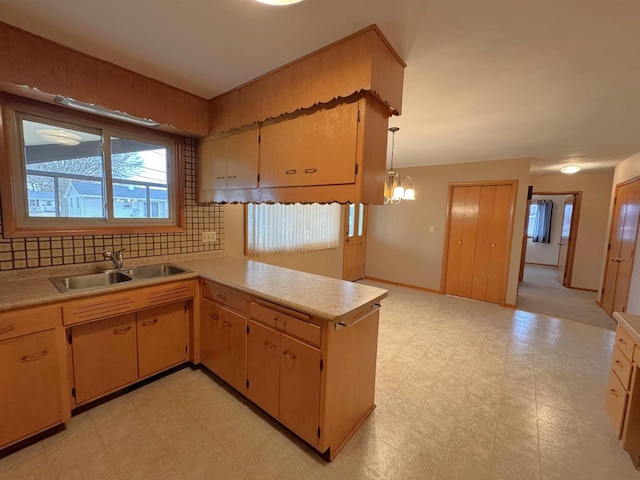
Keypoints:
pixel 319 296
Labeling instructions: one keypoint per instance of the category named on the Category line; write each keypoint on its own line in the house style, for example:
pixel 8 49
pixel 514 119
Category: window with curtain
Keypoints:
pixel 541 228
pixel 282 229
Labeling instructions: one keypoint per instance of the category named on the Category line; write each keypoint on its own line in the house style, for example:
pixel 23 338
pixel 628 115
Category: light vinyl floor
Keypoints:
pixel 465 390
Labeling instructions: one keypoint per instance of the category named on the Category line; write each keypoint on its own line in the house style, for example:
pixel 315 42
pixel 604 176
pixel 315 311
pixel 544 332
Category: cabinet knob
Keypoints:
pixel 310 170
pixel 290 172
pixel 32 357
pixel 289 355
pixel 459 242
pixel 215 317
pixel 226 324
pixel 148 323
pixel 120 331
pixel 269 344
pixel 7 329
pixel 493 244
pixel 618 363
pixel 222 297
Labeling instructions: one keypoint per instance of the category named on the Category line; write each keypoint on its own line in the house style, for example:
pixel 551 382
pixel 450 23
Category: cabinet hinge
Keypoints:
pixel 258 178
pixel 186 349
pixel 609 247
pixel 358 116
pixel 247 329
pixel 185 307
pixel 356 168
pixel 318 432
pixel 321 364
pixel 69 338
pixel 247 383
pixel 624 309
pixel 73 392
pixel 259 138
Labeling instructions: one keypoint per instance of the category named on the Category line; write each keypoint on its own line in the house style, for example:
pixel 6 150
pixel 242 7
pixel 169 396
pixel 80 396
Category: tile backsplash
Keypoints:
pixel 18 253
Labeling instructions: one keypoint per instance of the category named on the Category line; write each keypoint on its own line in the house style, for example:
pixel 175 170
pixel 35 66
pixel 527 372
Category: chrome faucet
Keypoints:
pixel 115 257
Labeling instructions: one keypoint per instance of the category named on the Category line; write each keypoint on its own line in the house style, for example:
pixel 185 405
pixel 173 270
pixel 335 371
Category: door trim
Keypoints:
pixel 512 209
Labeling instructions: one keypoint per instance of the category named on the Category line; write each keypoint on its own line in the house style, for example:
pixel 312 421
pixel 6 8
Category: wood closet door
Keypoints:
pixel 492 247
pixel 463 226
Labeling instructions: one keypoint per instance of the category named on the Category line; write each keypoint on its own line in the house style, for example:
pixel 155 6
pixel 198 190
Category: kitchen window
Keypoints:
pixel 297 228
pixel 75 174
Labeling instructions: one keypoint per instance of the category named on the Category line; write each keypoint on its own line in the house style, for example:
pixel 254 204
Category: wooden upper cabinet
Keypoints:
pixel 362 62
pixel 280 153
pixel 228 163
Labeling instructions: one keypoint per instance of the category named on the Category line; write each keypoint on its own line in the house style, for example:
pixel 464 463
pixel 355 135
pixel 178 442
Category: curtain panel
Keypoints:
pixel 284 229
pixel 542 222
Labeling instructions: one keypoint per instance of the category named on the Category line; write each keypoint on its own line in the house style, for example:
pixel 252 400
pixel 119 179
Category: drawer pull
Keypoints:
pixel 215 317
pixel 619 363
pixel 310 170
pixel 120 331
pixel 283 321
pixel 293 171
pixel 32 357
pixel 221 297
pixel 226 324
pixel 7 329
pixel 269 344
pixel 231 176
pixel 289 355
pixel 621 340
pixel 614 393
pixel 149 323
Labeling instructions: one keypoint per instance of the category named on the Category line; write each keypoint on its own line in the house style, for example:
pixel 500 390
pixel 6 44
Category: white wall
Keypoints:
pixel 400 246
pixel 547 253
pixel 323 262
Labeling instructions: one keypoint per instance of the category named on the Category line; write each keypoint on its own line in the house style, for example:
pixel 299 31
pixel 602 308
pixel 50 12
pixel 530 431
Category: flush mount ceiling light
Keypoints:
pixel 279 2
pixel 394 187
pixel 60 137
pixel 105 112
pixel 569 169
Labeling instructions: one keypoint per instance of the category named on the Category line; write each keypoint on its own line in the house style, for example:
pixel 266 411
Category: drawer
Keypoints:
pixel 225 296
pixel 29 320
pixel 288 323
pixel 622 366
pixel 615 403
pixel 624 342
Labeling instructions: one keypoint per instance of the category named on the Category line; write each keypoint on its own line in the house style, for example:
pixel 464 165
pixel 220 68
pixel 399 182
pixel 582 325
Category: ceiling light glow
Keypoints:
pixel 569 169
pixel 279 2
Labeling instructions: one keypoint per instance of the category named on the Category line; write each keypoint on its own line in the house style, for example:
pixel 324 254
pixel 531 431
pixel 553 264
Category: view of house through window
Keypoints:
pixel 68 172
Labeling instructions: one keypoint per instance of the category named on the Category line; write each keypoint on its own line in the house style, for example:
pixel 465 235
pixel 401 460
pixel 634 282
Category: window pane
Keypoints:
pixel 533 211
pixel 70 158
pixel 143 167
pixel 360 218
pixel 352 219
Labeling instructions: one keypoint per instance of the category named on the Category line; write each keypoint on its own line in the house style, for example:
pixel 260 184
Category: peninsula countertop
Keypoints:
pixel 630 323
pixel 322 297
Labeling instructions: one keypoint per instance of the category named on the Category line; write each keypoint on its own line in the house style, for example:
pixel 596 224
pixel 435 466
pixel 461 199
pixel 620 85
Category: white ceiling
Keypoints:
pixel 556 80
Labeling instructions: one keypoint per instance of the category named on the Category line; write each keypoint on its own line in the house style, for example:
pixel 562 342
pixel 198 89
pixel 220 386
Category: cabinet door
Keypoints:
pixel 329 142
pixel 212 174
pixel 280 153
pixel 162 338
pixel 300 388
pixel 30 384
pixel 224 348
pixel 263 367
pixel 615 402
pixel 242 160
pixel 104 356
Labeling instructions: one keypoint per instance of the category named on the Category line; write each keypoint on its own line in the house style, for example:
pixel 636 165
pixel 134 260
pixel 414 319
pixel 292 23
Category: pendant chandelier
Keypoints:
pixel 397 187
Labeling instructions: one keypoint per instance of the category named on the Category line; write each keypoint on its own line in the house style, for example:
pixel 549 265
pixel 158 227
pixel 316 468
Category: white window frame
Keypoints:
pixel 278 229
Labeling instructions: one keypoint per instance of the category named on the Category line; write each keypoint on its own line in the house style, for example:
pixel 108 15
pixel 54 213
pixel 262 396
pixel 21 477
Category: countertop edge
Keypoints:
pixel 630 323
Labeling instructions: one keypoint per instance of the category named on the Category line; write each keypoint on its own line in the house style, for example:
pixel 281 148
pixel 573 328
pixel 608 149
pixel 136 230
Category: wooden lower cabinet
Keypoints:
pixel 105 356
pixel 263 367
pixel 223 340
pixel 163 336
pixel 30 382
pixel 300 388
pixel 112 353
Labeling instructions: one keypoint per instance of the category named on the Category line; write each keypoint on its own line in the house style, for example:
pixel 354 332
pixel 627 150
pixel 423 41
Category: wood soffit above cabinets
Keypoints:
pixel 37 68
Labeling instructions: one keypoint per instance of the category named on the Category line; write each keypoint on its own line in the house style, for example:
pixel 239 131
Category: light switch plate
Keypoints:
pixel 208 237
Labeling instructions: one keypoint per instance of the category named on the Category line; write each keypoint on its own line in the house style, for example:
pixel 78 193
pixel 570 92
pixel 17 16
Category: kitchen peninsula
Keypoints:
pixel 300 346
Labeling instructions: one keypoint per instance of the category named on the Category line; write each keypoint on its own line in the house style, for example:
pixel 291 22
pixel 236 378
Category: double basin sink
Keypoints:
pixel 111 277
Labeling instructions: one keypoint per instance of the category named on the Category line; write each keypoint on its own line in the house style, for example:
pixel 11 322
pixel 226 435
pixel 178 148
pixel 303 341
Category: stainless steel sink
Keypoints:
pixel 154 271
pixel 110 277
pixel 79 282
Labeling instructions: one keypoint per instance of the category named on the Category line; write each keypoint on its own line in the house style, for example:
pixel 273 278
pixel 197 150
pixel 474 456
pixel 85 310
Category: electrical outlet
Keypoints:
pixel 208 237
pixel 432 229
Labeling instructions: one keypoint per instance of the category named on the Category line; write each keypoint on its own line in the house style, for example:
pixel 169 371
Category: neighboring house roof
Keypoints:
pixel 119 191
pixel 39 195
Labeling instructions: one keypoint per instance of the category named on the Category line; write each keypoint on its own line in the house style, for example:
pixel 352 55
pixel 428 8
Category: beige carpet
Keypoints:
pixel 540 292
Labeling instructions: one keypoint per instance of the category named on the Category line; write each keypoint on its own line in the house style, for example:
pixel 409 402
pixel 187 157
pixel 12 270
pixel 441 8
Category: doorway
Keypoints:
pixel 355 234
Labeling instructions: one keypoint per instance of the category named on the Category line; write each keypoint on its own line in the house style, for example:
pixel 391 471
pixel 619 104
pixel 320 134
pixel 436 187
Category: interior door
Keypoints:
pixel 613 249
pixel 354 242
pixel 463 225
pixel 565 238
